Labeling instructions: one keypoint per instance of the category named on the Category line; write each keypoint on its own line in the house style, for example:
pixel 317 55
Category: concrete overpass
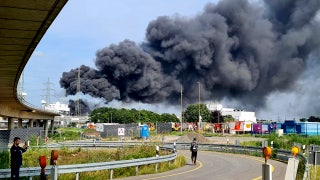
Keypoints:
pixel 22 25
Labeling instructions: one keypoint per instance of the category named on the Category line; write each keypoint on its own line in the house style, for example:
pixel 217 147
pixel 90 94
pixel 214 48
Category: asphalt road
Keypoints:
pixel 219 166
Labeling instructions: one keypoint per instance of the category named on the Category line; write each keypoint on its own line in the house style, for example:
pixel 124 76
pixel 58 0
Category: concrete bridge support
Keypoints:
pixel 52 126
pixel 10 123
pixel 46 127
pixel 19 123
pixel 30 123
pixel 38 123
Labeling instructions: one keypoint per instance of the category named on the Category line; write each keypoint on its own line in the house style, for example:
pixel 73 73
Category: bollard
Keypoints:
pixel 43 164
pixel 157 151
pixel 292 165
pixel 53 162
pixel 111 173
pixel 174 147
pixel 137 170
pixel 266 168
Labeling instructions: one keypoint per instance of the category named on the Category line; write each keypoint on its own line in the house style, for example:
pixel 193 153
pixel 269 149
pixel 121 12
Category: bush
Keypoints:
pixel 5 160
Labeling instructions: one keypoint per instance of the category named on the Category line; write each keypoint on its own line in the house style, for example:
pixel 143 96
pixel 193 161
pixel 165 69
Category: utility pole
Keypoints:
pixel 139 111
pixel 78 104
pixel 181 112
pixel 199 103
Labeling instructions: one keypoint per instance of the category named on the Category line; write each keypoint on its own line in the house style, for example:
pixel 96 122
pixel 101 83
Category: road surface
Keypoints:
pixel 219 166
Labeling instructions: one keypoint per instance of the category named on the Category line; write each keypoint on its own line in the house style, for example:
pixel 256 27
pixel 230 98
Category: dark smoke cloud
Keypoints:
pixel 234 49
pixel 84 108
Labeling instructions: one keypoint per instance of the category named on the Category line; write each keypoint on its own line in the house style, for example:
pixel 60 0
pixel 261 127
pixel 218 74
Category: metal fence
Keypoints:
pixel 6 136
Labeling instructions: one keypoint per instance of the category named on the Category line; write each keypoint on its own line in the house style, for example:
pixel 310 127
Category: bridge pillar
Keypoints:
pixel 10 123
pixel 30 123
pixel 46 127
pixel 52 126
pixel 38 123
pixel 19 123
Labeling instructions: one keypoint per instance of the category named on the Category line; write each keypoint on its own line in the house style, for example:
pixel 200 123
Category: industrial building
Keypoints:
pixel 238 115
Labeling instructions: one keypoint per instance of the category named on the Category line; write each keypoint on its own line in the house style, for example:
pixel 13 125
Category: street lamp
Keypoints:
pixel 111 117
pixel 181 112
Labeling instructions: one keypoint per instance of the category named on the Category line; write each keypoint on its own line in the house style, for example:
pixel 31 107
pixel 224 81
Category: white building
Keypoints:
pixel 238 115
pixel 62 109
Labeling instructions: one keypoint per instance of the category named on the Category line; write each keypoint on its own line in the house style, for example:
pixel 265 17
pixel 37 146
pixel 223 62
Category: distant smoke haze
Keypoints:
pixel 235 49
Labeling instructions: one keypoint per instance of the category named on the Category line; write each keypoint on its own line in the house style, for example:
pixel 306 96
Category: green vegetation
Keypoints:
pixel 287 141
pixel 125 116
pixel 66 134
pixel 4 159
pixel 112 115
pixel 191 114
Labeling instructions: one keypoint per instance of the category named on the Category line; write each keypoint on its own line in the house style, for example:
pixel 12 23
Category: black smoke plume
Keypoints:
pixel 83 105
pixel 234 49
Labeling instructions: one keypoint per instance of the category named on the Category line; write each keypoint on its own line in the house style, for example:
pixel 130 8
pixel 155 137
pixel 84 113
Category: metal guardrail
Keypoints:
pixel 78 168
pixel 279 154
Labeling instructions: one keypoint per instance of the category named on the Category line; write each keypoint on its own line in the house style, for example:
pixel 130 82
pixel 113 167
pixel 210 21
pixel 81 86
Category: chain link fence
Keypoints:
pixel 6 136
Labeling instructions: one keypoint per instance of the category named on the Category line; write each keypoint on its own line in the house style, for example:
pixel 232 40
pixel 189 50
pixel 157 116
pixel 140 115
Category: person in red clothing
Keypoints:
pixel 16 157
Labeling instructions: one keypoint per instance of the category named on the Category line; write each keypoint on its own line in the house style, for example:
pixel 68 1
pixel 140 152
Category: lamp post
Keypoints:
pixel 181 112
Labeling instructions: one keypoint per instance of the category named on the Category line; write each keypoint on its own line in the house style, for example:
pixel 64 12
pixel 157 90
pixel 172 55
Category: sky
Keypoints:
pixel 84 27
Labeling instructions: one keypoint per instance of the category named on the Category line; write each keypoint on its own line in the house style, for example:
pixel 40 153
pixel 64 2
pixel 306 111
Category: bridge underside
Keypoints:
pixel 22 25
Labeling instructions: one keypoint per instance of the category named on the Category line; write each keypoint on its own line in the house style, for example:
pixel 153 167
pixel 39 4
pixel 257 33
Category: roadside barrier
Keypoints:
pixel 282 155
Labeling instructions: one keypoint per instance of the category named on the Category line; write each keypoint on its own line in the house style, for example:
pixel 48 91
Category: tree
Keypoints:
pixel 228 118
pixel 102 115
pixel 191 114
pixel 313 119
pixel 303 120
pixel 166 117
pixel 105 114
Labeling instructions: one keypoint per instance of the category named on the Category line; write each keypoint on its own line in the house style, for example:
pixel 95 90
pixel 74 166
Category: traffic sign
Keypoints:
pixel 120 131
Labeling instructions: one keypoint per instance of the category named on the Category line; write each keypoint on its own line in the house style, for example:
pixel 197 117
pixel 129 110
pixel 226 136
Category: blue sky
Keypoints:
pixel 83 27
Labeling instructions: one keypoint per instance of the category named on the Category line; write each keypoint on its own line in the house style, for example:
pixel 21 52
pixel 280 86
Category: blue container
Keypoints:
pixel 144 131
pixel 310 128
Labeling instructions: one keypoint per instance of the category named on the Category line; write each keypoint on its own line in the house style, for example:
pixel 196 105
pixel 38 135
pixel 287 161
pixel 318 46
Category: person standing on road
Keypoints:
pixel 16 157
pixel 194 151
